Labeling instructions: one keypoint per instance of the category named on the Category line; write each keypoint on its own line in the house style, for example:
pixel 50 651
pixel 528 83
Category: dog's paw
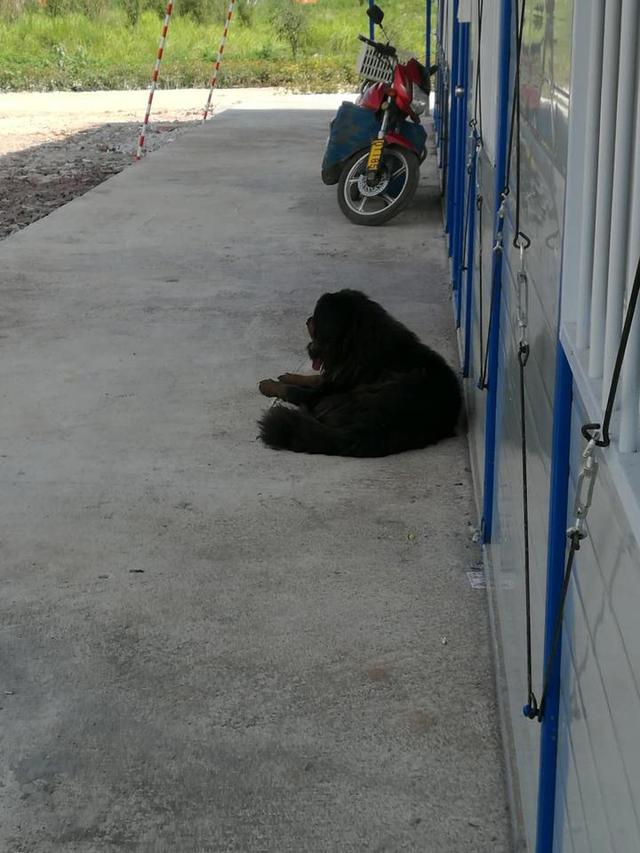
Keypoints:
pixel 288 378
pixel 268 387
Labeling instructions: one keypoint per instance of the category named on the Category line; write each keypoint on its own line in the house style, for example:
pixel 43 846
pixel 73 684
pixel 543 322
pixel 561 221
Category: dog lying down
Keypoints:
pixel 379 390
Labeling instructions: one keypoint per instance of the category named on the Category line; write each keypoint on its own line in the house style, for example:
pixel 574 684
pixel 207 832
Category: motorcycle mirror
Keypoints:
pixel 376 14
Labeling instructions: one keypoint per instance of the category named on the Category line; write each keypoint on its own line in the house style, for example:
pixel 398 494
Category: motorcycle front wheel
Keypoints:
pixel 364 205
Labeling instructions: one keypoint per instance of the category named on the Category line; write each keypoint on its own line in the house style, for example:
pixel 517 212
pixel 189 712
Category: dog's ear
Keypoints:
pixel 333 317
pixel 373 337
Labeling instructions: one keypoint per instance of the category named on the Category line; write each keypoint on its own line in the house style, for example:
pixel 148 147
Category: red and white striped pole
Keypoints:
pixel 214 76
pixel 154 77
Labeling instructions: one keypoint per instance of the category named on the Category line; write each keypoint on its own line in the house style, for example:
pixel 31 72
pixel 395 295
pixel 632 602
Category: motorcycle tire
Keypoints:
pixel 353 204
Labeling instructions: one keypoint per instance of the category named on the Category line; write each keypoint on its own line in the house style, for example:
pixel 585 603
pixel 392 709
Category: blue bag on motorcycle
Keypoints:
pixel 352 130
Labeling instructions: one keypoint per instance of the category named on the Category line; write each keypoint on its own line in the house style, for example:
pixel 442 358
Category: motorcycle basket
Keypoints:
pixel 373 67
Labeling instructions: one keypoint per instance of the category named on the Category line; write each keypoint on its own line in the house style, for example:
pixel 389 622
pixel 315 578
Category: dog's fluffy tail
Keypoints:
pixel 293 429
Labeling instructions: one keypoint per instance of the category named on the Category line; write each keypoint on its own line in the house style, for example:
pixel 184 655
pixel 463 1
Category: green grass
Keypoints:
pixel 95 47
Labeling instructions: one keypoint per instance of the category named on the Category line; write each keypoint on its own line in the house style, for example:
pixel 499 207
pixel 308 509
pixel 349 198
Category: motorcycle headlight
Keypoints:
pixel 419 100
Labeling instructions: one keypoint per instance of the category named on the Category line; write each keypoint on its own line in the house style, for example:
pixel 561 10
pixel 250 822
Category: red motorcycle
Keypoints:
pixel 374 152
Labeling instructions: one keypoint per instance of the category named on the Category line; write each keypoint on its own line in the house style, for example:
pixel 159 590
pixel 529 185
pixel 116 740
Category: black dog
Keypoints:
pixel 380 391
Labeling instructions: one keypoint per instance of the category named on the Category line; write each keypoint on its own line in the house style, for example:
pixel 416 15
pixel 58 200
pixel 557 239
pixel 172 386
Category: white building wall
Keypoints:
pixel 598 778
pixel 599 772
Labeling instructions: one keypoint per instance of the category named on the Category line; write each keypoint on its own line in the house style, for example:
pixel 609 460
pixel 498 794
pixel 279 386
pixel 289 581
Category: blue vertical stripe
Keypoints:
pixel 461 161
pixel 556 551
pixel 493 344
pixel 468 254
pixel 451 142
pixel 427 35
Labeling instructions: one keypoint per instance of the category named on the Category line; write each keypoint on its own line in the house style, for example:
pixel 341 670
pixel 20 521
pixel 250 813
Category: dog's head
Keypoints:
pixel 336 330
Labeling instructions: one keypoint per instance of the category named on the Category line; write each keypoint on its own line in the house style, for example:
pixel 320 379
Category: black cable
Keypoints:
pixel 479 206
pixel 522 242
pixel 531 708
pixel 476 125
pixel 465 233
pixel 588 430
pixel 477 100
pixel 537 712
pixel 515 103
pixel 444 136
pixel 444 35
pixel 482 379
pixel 519 235
pixel 523 357
pixel 576 535
pixel 514 124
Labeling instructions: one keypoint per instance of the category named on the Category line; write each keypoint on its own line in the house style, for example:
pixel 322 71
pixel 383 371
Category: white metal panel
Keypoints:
pixel 588 103
pixel 464 11
pixel 585 817
pixel 601 672
pixel 630 390
pixel 480 306
pixel 598 792
pixel 508 547
pixel 489 54
pixel 544 128
pixel 448 40
pixel 622 167
pixel 578 783
pixel 610 50
pixel 611 221
pixel 542 174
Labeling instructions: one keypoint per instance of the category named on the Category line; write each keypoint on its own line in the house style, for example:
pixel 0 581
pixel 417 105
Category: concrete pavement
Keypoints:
pixel 207 645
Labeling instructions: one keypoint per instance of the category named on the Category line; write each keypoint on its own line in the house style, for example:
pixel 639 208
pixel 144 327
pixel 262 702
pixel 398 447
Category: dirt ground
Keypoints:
pixel 57 145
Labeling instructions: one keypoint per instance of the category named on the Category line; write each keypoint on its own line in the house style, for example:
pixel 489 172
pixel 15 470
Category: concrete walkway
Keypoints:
pixel 206 645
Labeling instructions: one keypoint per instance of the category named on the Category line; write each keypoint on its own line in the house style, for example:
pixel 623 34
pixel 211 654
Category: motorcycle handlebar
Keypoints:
pixel 384 49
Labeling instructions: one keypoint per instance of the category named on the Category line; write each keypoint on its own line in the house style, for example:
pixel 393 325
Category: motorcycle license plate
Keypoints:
pixel 375 155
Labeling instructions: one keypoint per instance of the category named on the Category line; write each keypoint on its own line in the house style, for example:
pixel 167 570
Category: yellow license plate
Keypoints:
pixel 375 155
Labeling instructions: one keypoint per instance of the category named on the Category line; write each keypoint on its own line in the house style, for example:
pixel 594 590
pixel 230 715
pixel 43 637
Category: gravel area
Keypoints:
pixel 55 146
pixel 38 179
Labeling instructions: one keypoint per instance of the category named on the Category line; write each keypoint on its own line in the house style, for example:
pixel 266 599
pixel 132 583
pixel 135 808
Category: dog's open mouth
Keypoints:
pixel 315 354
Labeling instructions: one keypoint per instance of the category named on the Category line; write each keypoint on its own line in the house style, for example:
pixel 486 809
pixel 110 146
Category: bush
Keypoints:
pixel 289 21
pixel 56 8
pixel 10 10
pixel 93 9
pixel 132 9
pixel 203 11
pixel 158 7
pixel 245 10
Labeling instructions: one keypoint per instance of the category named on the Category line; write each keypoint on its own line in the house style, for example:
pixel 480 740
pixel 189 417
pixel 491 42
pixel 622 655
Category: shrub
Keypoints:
pixel 245 9
pixel 289 21
pixel 203 11
pixel 10 10
pixel 132 9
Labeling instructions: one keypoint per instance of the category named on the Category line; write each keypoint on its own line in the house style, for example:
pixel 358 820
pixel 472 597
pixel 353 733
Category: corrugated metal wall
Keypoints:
pixel 544 86
pixel 598 794
pixel 593 149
